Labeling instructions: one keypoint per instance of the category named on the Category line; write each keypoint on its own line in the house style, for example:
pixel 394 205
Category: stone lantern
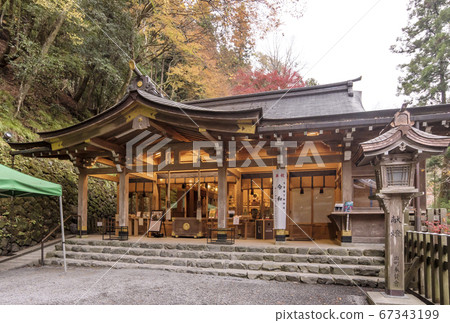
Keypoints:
pixel 394 155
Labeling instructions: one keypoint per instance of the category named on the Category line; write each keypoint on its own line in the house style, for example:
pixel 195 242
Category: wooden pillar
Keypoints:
pixel 238 196
pixel 155 196
pixel 222 205
pixel 347 195
pixel 82 201
pixel 347 181
pixel 207 199
pixel 191 202
pixel 123 197
pixel 199 198
pixel 168 209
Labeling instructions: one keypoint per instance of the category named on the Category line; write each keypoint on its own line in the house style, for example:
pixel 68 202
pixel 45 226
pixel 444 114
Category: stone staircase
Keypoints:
pixel 341 265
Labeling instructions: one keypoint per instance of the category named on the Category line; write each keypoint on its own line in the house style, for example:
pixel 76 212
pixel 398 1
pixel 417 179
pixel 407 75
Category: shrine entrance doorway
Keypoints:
pixel 312 195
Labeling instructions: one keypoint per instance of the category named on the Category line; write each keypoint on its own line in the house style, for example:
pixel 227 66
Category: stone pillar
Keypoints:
pixel 82 201
pixel 279 183
pixel 123 197
pixel 394 205
pixel 222 204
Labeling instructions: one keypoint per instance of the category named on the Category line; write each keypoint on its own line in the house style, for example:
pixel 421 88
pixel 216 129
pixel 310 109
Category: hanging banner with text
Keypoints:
pixel 279 197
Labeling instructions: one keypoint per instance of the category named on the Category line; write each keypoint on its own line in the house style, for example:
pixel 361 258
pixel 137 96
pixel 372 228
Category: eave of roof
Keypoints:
pixel 160 105
pixel 365 118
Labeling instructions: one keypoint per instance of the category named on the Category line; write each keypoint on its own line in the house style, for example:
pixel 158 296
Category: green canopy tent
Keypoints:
pixel 17 184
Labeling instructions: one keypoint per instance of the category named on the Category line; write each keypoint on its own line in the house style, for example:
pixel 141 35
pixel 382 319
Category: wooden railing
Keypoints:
pixel 428 274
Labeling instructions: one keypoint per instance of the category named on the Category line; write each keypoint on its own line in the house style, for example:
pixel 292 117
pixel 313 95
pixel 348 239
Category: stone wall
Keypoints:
pixel 25 221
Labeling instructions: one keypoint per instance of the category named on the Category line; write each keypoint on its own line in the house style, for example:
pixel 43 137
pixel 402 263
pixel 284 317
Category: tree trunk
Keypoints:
pixel 443 82
pixel 81 88
pixel 28 80
pixel 7 38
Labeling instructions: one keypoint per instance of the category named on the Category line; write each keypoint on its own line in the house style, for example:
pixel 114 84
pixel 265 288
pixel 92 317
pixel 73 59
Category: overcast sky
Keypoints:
pixel 364 51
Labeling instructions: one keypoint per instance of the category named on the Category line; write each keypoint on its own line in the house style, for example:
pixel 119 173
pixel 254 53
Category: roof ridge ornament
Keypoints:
pixel 402 120
pixel 142 82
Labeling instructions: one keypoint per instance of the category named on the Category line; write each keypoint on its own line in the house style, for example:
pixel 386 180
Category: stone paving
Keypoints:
pixel 50 285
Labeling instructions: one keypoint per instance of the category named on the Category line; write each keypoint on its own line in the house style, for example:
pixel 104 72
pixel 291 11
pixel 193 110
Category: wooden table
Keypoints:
pixel 366 225
pixel 244 222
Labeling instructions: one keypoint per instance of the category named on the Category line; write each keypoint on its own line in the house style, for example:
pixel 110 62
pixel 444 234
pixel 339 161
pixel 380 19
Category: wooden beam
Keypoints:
pixel 169 132
pixel 111 178
pixel 234 172
pixel 113 170
pixel 267 161
pixel 96 171
pixel 105 161
pixel 143 175
pixel 206 134
pixel 106 145
pixel 188 174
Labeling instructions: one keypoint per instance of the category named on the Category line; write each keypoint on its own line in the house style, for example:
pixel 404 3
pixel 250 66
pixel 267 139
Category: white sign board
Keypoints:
pixel 279 198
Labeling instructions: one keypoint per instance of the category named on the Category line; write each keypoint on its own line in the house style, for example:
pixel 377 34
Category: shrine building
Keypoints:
pixel 276 165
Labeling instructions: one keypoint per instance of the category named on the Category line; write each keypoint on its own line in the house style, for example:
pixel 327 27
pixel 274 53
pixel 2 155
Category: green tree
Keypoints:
pixel 426 39
pixel 438 178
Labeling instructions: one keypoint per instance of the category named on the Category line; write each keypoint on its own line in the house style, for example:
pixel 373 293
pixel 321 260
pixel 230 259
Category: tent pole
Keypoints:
pixel 62 232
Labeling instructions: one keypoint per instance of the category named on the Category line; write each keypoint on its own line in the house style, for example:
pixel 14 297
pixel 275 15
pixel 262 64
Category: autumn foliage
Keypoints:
pixel 248 81
pixel 80 50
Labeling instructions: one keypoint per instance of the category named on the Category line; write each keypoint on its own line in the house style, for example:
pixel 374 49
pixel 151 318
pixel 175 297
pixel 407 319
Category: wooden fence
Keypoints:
pixel 428 274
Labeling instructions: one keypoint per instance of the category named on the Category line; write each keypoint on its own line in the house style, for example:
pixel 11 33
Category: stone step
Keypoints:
pixel 334 251
pixel 261 265
pixel 309 278
pixel 253 256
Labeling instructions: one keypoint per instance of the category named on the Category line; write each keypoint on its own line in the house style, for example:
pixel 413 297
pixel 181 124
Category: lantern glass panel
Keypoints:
pixel 398 175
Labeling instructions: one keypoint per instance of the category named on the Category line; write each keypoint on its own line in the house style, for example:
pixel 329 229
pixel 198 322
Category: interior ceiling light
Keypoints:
pixel 312 133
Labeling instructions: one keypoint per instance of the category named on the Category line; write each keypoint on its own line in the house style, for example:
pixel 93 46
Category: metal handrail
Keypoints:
pixel 47 236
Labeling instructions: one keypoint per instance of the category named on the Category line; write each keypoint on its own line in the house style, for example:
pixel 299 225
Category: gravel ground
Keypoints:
pixel 50 285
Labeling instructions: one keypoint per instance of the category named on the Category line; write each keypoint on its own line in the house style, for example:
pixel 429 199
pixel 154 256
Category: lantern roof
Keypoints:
pixel 399 136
